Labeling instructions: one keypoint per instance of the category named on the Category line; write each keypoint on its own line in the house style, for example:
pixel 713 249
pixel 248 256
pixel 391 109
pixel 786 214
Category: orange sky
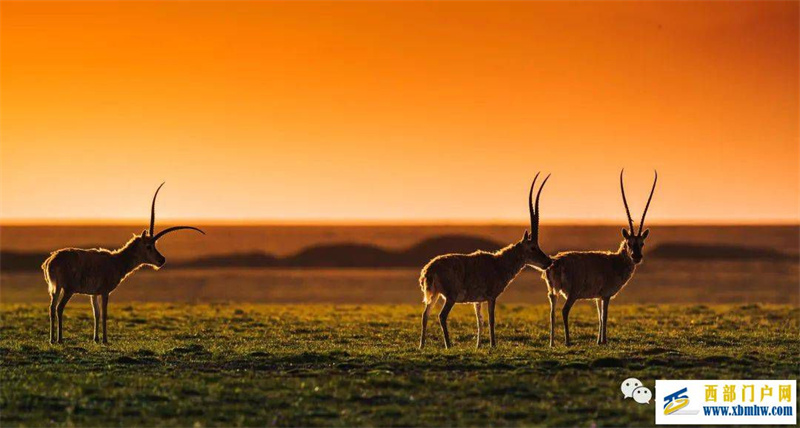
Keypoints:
pixel 399 110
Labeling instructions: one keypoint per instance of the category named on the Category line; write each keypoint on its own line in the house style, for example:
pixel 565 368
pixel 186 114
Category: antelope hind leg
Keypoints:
pixel 479 317
pixel 96 312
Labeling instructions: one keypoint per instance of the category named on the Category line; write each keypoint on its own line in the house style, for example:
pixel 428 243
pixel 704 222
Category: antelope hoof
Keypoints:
pixel 52 341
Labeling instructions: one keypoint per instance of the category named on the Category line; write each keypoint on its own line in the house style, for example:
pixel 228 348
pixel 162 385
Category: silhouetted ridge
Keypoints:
pixel 12 261
pixel 240 260
pixel 353 255
pixel 342 255
pixel 681 250
pixel 432 247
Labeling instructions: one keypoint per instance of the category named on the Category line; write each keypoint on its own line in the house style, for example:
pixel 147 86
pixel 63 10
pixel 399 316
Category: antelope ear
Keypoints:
pixel 646 232
pixel 526 236
pixel 625 233
pixel 144 233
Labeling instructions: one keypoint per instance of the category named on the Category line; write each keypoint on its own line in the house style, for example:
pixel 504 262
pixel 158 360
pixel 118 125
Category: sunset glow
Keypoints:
pixel 399 111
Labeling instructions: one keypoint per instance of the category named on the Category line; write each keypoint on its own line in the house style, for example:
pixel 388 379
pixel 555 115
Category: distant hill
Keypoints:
pixel 677 250
pixel 430 248
pixel 239 260
pixel 354 255
pixel 11 261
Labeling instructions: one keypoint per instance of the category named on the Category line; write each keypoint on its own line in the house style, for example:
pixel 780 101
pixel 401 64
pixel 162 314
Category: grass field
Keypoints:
pixel 310 365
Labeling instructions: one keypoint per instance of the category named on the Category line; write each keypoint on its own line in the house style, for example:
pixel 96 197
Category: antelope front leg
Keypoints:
pixel 599 304
pixel 606 302
pixel 96 312
pixel 565 314
pixel 424 324
pixel 479 317
pixel 553 299
pixel 104 298
pixel 65 296
pixel 448 305
pixel 53 303
pixel 492 340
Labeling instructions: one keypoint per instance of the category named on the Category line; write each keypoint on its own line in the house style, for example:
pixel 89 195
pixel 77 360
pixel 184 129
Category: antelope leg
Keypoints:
pixel 448 305
pixel 479 317
pixel 606 302
pixel 424 324
pixel 492 340
pixel 104 299
pixel 553 299
pixel 65 296
pixel 565 314
pixel 96 312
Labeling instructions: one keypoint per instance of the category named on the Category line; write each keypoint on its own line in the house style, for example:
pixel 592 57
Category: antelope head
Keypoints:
pixel 530 241
pixel 634 241
pixel 145 244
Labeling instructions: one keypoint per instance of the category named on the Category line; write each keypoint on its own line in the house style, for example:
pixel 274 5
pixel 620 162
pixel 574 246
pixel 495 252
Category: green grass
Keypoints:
pixel 212 365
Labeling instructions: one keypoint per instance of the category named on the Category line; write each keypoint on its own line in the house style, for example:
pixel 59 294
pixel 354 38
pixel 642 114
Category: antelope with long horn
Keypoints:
pixel 598 275
pixel 480 276
pixel 97 272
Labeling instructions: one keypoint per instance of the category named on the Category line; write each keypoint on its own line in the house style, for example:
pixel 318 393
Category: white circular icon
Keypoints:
pixel 628 385
pixel 642 395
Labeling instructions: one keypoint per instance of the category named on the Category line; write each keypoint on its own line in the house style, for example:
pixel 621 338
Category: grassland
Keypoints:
pixel 212 365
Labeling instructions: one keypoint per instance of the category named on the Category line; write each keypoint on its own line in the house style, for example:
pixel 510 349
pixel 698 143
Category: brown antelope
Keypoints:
pixel 97 272
pixel 598 275
pixel 480 276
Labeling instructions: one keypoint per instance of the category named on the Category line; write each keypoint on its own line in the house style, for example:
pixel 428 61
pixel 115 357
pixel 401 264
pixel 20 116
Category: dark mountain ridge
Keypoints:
pixel 356 255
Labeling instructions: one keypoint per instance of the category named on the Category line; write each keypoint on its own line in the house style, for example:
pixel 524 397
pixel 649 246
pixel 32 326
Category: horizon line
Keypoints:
pixel 387 222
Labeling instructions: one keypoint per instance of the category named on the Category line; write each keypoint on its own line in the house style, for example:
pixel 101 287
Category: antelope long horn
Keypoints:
pixel 655 180
pixel 530 204
pixel 538 194
pixel 625 201
pixel 174 228
pixel 153 211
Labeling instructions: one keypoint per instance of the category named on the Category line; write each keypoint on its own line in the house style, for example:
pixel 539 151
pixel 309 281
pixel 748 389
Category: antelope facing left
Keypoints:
pixel 598 275
pixel 97 272
pixel 480 276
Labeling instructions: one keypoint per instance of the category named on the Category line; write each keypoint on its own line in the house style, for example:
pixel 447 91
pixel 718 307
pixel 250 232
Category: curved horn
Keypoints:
pixel 641 223
pixel 530 202
pixel 172 229
pixel 625 201
pixel 153 211
pixel 535 233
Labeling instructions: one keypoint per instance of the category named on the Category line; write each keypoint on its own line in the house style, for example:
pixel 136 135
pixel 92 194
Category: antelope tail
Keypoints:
pixel 51 287
pixel 426 284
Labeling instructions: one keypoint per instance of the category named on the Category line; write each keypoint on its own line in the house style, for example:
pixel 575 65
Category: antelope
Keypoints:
pixel 97 272
pixel 598 275
pixel 480 276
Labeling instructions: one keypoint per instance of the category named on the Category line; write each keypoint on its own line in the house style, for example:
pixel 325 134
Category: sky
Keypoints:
pixel 399 111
